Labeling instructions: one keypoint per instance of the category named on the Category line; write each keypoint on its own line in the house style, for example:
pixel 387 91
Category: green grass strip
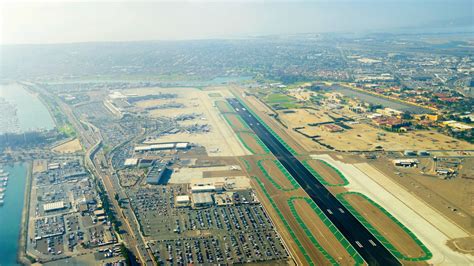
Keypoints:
pixel 347 246
pixel 268 128
pixel 290 178
pixel 246 164
pixel 259 142
pixel 285 222
pixel 428 255
pixel 321 179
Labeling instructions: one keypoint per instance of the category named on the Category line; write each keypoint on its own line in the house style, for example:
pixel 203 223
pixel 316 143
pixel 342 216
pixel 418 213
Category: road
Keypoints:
pixel 91 138
pixel 373 252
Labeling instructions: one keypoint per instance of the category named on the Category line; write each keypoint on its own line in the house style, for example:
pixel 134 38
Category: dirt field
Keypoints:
pixel 40 166
pixel 303 117
pixel 386 226
pixel 68 147
pixel 276 174
pixel 236 123
pixel 367 137
pixel 326 172
pixel 323 235
pixel 250 141
pixel 223 106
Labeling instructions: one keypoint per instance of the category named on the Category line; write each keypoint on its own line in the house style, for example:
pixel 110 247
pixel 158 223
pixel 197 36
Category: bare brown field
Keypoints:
pixel 69 147
pixel 326 172
pixel 323 235
pixel 236 123
pixel 276 174
pixel 367 137
pixel 463 245
pixel 302 117
pixel 40 166
pixel 223 106
pixel 385 226
pixel 250 141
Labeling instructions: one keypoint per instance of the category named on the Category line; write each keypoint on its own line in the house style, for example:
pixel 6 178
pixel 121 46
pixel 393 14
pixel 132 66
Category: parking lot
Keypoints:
pixel 233 233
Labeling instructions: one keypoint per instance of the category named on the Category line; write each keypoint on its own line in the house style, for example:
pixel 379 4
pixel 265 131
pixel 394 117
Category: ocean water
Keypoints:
pixel 32 114
pixel 10 214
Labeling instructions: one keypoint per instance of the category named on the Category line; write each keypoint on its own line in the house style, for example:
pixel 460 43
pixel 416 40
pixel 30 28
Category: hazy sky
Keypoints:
pixel 83 21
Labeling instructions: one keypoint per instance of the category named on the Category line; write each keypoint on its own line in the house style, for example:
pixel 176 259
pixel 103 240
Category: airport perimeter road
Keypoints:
pixel 373 252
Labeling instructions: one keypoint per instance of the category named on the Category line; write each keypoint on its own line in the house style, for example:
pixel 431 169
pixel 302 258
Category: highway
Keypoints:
pixel 373 252
pixel 91 138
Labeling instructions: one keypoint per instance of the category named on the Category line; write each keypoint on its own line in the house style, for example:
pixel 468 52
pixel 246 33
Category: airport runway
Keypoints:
pixel 373 252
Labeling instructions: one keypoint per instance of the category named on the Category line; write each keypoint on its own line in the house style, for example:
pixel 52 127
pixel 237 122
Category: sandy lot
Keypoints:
pixel 185 175
pixel 69 147
pixel 367 137
pixel 303 117
pixel 40 166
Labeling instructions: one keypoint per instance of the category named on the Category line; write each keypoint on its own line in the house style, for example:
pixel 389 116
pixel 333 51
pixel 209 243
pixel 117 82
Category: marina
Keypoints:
pixel 22 111
pixel 3 185
pixel 11 199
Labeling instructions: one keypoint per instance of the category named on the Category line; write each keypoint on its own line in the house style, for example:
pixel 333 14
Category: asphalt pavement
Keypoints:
pixel 373 252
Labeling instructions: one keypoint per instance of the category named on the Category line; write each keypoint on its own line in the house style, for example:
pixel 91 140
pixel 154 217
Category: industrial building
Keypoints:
pixel 182 201
pixel 162 146
pixel 54 206
pixel 157 173
pixel 203 189
pixel 406 162
pixel 130 162
pixel 201 200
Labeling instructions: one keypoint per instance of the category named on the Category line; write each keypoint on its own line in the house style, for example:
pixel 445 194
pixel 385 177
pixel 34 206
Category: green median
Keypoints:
pixel 257 140
pixel 428 255
pixel 345 244
pixel 321 179
pixel 282 169
pixel 236 127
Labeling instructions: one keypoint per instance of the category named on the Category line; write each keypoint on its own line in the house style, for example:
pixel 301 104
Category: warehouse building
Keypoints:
pixel 202 200
pixel 54 206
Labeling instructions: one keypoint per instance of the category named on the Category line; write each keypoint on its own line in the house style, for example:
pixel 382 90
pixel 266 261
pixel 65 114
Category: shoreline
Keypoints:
pixel 39 96
pixel 22 255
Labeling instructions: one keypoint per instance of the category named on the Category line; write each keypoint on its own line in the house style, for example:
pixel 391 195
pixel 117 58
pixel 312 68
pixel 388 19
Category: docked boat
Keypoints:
pixel 2 196
pixel 3 184
pixel 1 202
